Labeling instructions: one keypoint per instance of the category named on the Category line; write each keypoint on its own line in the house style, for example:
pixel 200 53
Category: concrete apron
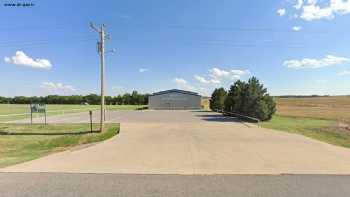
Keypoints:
pixel 197 148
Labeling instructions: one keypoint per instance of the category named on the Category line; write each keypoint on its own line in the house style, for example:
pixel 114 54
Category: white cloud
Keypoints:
pixel 329 60
pixel 299 4
pixel 215 81
pixel 217 76
pixel 312 10
pixel 201 79
pixel 57 87
pixel 297 28
pixel 240 72
pixel 216 73
pixel 20 58
pixel 180 81
pixel 281 12
pixel 221 75
pixel 183 84
pixel 142 70
pixel 214 78
pixel 205 81
pixel 341 6
pixel 344 72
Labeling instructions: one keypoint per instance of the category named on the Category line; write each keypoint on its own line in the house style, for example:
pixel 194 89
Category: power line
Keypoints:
pixel 41 43
pixel 40 27
pixel 65 37
pixel 216 42
pixel 45 41
pixel 169 26
pixel 246 45
pixel 199 43
pixel 221 28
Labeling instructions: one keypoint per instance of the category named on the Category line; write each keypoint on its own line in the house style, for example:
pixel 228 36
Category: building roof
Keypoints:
pixel 177 91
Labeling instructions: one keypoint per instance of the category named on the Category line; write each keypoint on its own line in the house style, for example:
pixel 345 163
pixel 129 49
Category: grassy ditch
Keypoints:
pixel 321 129
pixel 24 142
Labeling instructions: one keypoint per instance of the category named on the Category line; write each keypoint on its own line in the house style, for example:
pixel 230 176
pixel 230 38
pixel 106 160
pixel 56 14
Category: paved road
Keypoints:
pixel 184 142
pixel 69 185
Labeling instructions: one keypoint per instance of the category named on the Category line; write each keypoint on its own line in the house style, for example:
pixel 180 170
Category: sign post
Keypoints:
pixel 31 114
pixel 90 112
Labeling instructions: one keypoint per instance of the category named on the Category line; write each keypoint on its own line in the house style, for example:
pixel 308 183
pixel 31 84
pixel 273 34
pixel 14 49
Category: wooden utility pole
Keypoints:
pixel 101 51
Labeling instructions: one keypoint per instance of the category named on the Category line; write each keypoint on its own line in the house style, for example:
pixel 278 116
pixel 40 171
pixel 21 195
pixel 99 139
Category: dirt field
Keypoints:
pixel 333 108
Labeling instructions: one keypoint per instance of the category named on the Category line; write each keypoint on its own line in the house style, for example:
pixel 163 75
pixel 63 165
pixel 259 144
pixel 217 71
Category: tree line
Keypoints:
pixel 133 98
pixel 245 98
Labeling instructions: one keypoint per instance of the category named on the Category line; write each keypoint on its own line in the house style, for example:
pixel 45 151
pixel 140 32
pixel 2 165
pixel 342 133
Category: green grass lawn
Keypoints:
pixel 16 111
pixel 320 129
pixel 29 142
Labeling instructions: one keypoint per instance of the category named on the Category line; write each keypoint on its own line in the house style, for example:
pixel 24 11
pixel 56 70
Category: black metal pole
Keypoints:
pixel 90 120
pixel 31 115
pixel 104 116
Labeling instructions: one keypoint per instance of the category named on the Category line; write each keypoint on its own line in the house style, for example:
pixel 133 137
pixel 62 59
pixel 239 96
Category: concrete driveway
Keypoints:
pixel 190 142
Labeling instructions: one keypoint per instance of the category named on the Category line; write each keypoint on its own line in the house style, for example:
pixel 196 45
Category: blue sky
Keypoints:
pixel 292 46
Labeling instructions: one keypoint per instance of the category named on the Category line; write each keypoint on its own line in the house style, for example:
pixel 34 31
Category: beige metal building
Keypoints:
pixel 174 100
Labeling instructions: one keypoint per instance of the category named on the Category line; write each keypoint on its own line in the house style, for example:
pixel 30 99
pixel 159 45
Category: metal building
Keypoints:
pixel 174 100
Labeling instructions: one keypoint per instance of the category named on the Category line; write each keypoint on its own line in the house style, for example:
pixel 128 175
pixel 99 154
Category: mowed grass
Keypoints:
pixel 29 142
pixel 323 118
pixel 331 108
pixel 9 112
pixel 320 129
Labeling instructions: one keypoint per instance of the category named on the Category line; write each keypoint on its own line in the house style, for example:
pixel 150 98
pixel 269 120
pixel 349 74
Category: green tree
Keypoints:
pixel 134 97
pixel 127 100
pixel 118 100
pixel 92 99
pixel 4 100
pixel 108 100
pixel 250 99
pixel 21 100
pixel 217 99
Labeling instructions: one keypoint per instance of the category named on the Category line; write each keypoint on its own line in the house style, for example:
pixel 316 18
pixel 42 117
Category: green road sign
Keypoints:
pixel 38 108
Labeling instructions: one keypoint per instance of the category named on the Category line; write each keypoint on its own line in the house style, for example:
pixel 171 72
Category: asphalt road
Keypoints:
pixel 69 185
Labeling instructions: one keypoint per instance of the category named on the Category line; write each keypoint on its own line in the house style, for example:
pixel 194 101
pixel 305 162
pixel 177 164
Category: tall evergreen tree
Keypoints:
pixel 217 99
pixel 250 99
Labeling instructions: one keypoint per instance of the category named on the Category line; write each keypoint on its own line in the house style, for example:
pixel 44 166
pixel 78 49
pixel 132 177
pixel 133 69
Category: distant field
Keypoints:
pixel 10 112
pixel 332 108
pixel 205 103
